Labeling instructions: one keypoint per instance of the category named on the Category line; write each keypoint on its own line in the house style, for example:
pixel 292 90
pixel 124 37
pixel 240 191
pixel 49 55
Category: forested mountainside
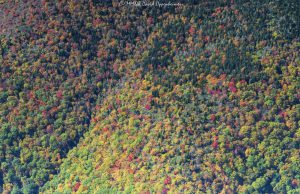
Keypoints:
pixel 107 97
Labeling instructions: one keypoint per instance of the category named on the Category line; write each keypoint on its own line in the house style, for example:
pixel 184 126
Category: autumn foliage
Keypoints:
pixel 96 97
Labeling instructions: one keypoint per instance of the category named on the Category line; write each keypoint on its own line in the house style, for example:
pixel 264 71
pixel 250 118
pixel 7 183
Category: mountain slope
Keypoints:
pixel 186 138
pixel 213 117
pixel 98 97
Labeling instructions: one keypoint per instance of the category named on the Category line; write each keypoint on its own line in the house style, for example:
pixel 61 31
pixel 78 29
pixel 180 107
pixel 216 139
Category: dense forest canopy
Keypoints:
pixel 106 97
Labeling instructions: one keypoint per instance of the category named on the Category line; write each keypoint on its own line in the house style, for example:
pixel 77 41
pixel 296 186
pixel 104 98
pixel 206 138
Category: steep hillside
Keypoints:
pixel 217 112
pixel 150 137
pixel 99 97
